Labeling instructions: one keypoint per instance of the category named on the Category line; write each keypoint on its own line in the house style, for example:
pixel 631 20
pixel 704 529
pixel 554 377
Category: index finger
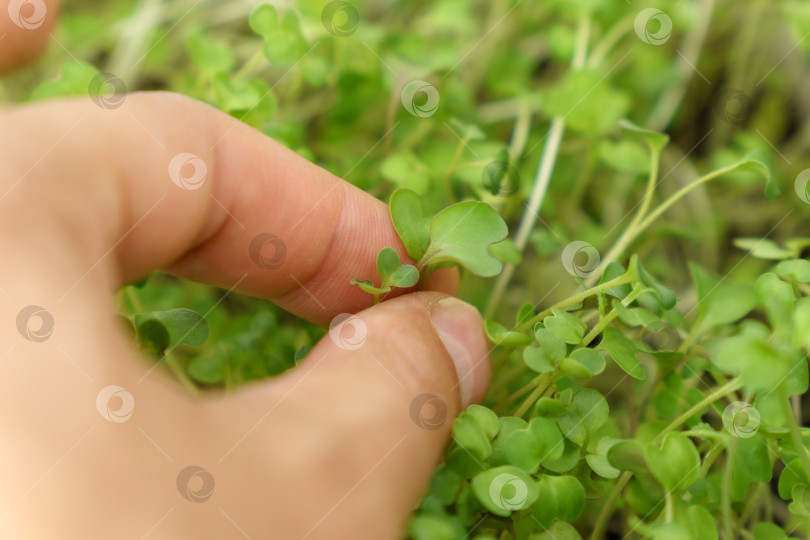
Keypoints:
pixel 164 181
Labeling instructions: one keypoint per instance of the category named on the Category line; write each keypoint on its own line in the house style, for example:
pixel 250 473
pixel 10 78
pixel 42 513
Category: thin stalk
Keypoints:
pixel 598 532
pixel 794 429
pixel 630 232
pixel 176 367
pixel 639 226
pixel 607 319
pixel 725 496
pixel 577 298
pixel 534 396
pixel 543 176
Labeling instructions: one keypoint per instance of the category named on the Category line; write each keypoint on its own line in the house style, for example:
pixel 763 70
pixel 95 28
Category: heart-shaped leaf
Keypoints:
pixel 462 233
pixel 676 464
pixel 393 272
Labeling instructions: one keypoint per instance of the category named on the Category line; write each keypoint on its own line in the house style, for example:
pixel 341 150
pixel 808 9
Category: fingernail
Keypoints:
pixel 460 329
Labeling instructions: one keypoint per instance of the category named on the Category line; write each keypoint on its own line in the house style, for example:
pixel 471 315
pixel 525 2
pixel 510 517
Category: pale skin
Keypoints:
pixel 328 450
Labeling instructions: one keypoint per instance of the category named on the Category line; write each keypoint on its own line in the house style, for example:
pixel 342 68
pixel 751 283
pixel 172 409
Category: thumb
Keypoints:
pixel 383 387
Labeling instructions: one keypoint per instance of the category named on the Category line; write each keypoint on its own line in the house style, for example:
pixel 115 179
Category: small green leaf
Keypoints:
pixel 591 407
pixel 393 272
pixel 499 335
pixel 777 297
pixel 627 455
pixel 559 497
pixel 792 475
pixel 759 365
pixel 655 140
pixel 798 269
pixel 623 352
pixel 559 530
pixel 769 531
pixel 565 326
pixel 719 301
pixel 583 363
pixel 486 418
pixel 208 369
pixel 598 461
pixel 749 464
pixel 181 327
pixel 762 248
pixel 410 222
pixel 665 296
pixel 660 530
pixel 502 490
pixel 462 233
pixel 470 435
pixel 549 438
pixel 676 464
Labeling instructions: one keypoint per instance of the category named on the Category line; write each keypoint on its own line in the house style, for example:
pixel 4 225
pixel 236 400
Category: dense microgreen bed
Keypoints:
pixel 622 186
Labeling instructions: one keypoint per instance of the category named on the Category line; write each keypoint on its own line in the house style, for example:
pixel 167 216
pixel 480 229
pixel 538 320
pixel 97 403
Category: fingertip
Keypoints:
pixel 25 29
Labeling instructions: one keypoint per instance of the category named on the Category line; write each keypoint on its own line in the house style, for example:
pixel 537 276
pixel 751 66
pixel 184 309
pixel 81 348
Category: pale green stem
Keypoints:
pixel 577 298
pixel 544 170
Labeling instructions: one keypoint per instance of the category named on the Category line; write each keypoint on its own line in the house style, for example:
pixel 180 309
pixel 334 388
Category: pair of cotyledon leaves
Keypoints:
pixel 459 234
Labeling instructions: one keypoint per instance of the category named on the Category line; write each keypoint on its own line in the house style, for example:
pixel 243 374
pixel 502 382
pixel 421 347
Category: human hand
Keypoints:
pixel 336 448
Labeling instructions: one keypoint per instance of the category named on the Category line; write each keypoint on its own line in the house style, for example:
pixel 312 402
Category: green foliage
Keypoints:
pixel 628 400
